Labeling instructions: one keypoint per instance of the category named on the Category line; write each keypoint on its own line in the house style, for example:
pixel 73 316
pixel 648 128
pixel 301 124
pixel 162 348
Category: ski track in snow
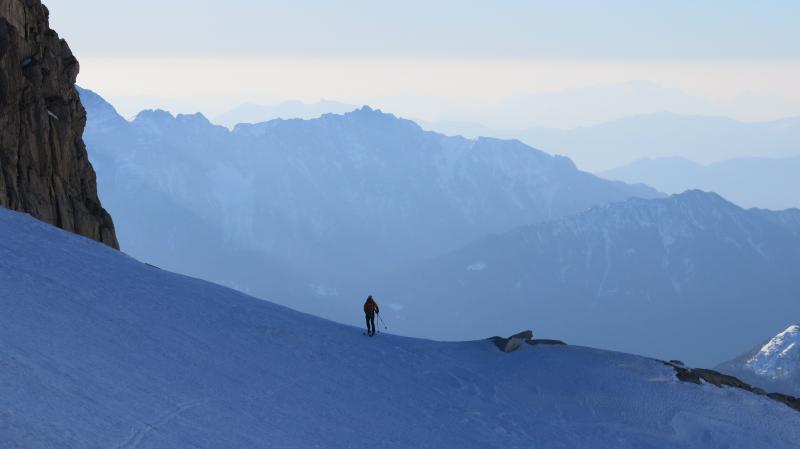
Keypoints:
pixel 136 438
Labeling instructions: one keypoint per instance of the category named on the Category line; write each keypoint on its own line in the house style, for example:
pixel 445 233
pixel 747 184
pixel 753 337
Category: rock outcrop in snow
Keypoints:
pixel 700 376
pixel 516 341
pixel 44 168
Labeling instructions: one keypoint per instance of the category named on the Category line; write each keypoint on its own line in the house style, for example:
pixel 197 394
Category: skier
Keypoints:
pixel 370 309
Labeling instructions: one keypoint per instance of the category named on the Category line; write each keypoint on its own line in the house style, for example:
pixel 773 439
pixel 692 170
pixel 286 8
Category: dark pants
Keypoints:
pixel 371 323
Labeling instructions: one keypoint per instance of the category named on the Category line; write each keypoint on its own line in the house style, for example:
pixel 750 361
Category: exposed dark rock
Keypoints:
pixel 699 375
pixel 44 168
pixel 514 342
pixel 525 335
pixel 791 401
pixel 718 379
pixel 506 344
pixel 687 375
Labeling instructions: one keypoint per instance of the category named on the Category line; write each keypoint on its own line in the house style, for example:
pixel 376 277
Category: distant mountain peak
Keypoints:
pixel 159 121
pixel 367 111
pixel 779 359
pixel 774 365
pixel 702 195
pixel 761 181
pixel 197 118
pixel 105 113
pixel 689 201
pixel 154 115
pixel 693 200
pixel 251 113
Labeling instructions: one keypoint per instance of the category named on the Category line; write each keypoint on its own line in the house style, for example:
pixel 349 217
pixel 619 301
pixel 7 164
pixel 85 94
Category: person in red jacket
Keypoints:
pixel 370 309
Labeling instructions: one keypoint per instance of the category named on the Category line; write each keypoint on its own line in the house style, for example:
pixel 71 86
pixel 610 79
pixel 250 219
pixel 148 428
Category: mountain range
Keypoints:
pixel 691 276
pixel 258 113
pixel 770 183
pixel 318 213
pixel 327 202
pixel 606 146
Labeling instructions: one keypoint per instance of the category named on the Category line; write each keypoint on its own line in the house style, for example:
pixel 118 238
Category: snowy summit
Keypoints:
pixel 773 366
pixel 779 359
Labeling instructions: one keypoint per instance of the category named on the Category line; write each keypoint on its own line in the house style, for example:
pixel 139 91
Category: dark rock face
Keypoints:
pixel 44 168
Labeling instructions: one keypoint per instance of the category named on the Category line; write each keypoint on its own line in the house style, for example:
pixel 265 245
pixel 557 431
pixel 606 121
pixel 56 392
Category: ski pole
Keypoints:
pixel 384 324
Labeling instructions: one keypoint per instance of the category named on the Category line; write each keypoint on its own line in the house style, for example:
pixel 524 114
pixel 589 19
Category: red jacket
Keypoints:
pixel 371 307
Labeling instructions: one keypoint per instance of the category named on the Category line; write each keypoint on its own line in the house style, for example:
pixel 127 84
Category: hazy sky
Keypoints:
pixel 443 56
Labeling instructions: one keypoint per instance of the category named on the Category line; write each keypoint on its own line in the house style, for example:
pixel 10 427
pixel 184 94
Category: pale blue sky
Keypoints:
pixel 434 56
pixel 446 28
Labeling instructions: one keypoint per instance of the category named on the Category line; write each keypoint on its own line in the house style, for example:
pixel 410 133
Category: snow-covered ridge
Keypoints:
pixel 99 350
pixel 779 359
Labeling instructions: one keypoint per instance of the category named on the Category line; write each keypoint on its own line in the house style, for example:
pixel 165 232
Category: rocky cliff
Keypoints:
pixel 44 168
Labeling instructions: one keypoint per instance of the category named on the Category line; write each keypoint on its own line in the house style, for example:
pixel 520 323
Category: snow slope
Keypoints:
pixel 98 350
